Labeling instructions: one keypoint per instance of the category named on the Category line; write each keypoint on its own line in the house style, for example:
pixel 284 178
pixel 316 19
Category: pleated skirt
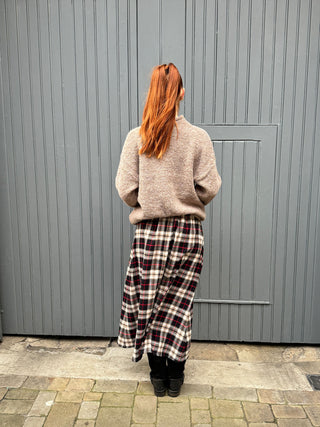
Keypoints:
pixel 165 264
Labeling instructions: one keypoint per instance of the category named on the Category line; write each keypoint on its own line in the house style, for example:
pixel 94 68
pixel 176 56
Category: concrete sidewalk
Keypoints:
pixel 66 382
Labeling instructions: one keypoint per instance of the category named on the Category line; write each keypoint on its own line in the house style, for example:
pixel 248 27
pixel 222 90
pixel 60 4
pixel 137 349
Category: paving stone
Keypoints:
pixel 43 403
pixel 257 353
pixel 308 368
pixel 169 399
pixel 228 422
pixel 235 393
pixel 314 414
pixel 44 344
pixel 92 346
pixel 69 396
pixel 34 422
pixel 290 422
pixel 114 417
pixel 85 423
pixel 58 384
pixel 31 339
pixel 80 384
pixel 19 407
pixel 258 412
pixel 270 396
pixel 199 390
pixel 12 381
pixel 62 415
pixel 145 387
pixel 3 391
pixel 143 425
pixel 202 425
pixel 92 396
pixel 288 411
pixel 225 408
pixel 21 394
pixel 88 410
pixel 212 351
pixel 10 340
pixel 199 403
pixel 261 424
pixel 144 409
pixel 11 420
pixel 117 399
pixel 301 354
pixel 115 386
pixel 173 415
pixel 302 397
pixel 200 416
pixel 38 383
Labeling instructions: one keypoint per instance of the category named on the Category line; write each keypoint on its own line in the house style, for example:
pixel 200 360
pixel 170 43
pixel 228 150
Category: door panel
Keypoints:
pixel 239 222
pixel 74 76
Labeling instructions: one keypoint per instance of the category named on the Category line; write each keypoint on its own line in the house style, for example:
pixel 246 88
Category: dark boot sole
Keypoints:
pixel 159 387
pixel 173 393
pixel 159 393
pixel 174 386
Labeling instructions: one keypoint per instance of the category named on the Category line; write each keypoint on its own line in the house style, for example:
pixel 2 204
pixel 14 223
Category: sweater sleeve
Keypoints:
pixel 127 178
pixel 206 176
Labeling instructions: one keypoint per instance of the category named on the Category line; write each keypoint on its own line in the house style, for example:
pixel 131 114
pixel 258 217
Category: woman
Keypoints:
pixel 167 174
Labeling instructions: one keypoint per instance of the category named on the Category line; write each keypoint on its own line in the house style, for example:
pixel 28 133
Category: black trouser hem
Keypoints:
pixel 163 367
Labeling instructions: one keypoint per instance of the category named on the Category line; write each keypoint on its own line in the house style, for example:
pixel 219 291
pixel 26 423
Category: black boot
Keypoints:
pixel 176 377
pixel 174 386
pixel 158 374
pixel 159 386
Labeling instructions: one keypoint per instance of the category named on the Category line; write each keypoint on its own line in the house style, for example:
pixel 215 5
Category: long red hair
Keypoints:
pixel 160 109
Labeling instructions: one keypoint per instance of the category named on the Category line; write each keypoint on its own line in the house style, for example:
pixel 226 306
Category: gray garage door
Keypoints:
pixel 74 75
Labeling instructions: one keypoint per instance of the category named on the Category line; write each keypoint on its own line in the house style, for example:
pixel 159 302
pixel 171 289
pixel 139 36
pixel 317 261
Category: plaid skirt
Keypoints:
pixel 164 268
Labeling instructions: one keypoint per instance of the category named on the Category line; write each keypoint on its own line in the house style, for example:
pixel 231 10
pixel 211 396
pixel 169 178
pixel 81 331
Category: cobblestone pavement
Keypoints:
pixel 46 401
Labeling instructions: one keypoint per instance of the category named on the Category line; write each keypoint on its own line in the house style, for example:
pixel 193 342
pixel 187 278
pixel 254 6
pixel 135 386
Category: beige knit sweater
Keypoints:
pixel 181 183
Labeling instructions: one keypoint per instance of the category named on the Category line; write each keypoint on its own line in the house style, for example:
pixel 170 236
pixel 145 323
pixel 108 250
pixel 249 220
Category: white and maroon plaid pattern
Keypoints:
pixel 165 263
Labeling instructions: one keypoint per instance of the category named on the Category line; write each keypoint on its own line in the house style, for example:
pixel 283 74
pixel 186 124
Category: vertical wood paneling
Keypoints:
pixel 313 250
pixel 37 189
pixel 63 161
pixel 8 273
pixel 292 179
pixel 299 292
pixel 51 269
pixel 85 284
pixel 6 251
pixel 113 87
pixel 255 61
pixel 74 76
pixel 231 60
pixel 148 45
pixel 236 268
pixel 274 80
pixel 19 208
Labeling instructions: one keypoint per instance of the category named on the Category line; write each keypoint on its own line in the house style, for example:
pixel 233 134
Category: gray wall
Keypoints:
pixel 74 75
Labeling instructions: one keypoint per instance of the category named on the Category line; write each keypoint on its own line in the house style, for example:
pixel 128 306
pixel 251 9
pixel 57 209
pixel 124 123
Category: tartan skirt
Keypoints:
pixel 164 268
